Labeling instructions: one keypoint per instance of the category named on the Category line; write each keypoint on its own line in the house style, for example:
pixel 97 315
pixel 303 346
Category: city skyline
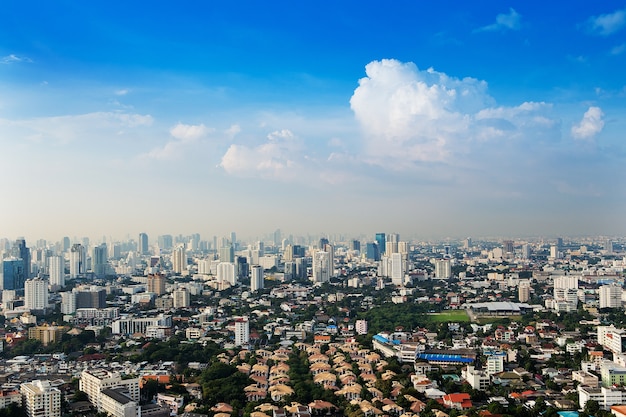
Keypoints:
pixel 423 119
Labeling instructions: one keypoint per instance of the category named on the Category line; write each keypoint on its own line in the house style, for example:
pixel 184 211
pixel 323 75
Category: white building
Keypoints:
pixel 179 259
pixel 321 266
pixel 495 363
pixel 605 397
pixel 242 331
pixel 443 269
pixel 93 381
pixel 361 327
pixel 56 270
pixel 398 268
pixel 117 402
pixel 36 294
pixel 40 399
pixel 130 325
pixel 611 296
pixel 226 272
pixel 478 379
pixel 68 302
pixel 612 338
pixel 257 279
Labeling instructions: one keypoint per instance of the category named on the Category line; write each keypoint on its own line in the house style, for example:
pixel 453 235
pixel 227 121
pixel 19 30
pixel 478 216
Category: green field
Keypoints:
pixel 455 316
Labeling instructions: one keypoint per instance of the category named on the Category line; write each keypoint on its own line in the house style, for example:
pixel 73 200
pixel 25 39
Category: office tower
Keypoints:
pixel 507 246
pixel 331 258
pixel 181 298
pixel 115 251
pixel 256 278
pixel 611 296
pixel 233 240
pixel 36 294
pixel 381 240
pixel 242 331
pixel 559 242
pixel 403 248
pixel 56 271
pixel 355 245
pixel 78 260
pixel 608 246
pixel 260 247
pixel 523 292
pixel 227 253
pixel 323 242
pixel 443 269
pixel 41 399
pixel 371 251
pixel 22 252
pixel 525 251
pixel 179 259
pixel 300 268
pixel 397 269
pixel 554 252
pixel 321 267
pixel 165 242
pixel 391 245
pixel 156 284
pixel 13 276
pixel 299 251
pixel 66 244
pixel 566 292
pixel 277 237
pixel 241 267
pixel 143 244
pixel 99 261
pixel 226 272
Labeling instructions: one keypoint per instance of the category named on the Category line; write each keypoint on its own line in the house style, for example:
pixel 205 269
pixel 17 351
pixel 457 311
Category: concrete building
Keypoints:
pixel 40 399
pixel 93 381
pixel 257 279
pixel 242 331
pixel 117 402
pixel 611 296
pixel 181 298
pixel 443 269
pixel 56 271
pixel 36 294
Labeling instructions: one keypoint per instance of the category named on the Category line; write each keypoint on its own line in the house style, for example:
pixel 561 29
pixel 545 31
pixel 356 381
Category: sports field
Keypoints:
pixel 458 316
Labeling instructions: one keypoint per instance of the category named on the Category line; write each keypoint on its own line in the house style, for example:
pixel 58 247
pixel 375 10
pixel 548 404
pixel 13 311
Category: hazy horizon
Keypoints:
pixel 499 119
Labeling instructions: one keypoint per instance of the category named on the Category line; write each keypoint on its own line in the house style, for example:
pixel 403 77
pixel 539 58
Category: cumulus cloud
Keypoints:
pixel 232 131
pixel 410 115
pixel 65 129
pixel 504 21
pixel 590 125
pixel 122 92
pixel 619 49
pixel 607 24
pixel 278 158
pixel 13 59
pixel 183 136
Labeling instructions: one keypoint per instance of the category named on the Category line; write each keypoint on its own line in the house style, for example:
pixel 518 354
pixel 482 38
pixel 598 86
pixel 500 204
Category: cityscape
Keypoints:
pixel 301 209
pixel 309 325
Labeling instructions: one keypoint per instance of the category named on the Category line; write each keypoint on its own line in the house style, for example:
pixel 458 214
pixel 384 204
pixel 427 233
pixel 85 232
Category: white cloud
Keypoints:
pixel 590 125
pixel 233 131
pixel 607 24
pixel 183 135
pixel 278 158
pixel 188 133
pixel 408 115
pixel 510 21
pixel 122 92
pixel 12 59
pixel 65 129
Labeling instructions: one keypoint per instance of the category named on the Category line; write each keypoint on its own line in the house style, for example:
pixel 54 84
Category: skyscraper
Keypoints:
pixel 372 252
pixel 381 240
pixel 143 244
pixel 321 267
pixel 56 270
pixel 78 260
pixel 99 261
pixel 227 253
pixel 13 277
pixel 242 331
pixel 22 252
pixel 179 259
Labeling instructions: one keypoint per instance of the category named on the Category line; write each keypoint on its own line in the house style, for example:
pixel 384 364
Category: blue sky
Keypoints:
pixel 425 119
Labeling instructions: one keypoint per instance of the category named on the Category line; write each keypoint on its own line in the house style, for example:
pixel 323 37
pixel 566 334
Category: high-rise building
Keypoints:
pixel 13 276
pixel 156 284
pixel 256 278
pixel 181 297
pixel 371 251
pixel 68 302
pixel 226 272
pixel 288 253
pixel 397 269
pixel 242 331
pixel 143 244
pixel 227 253
pixel 611 296
pixel 382 241
pixel 361 327
pixel 99 261
pixel 179 259
pixel 166 242
pixel 41 399
pixel 78 260
pixel 523 292
pixel 507 246
pixel 23 253
pixel 56 271
pixel 321 267
pixel 93 381
pixel 66 244
pixel 36 294
pixel 443 269
pixel 90 297
pixel 355 245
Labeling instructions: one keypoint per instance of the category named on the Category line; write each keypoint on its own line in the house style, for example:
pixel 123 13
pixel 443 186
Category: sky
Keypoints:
pixel 423 118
